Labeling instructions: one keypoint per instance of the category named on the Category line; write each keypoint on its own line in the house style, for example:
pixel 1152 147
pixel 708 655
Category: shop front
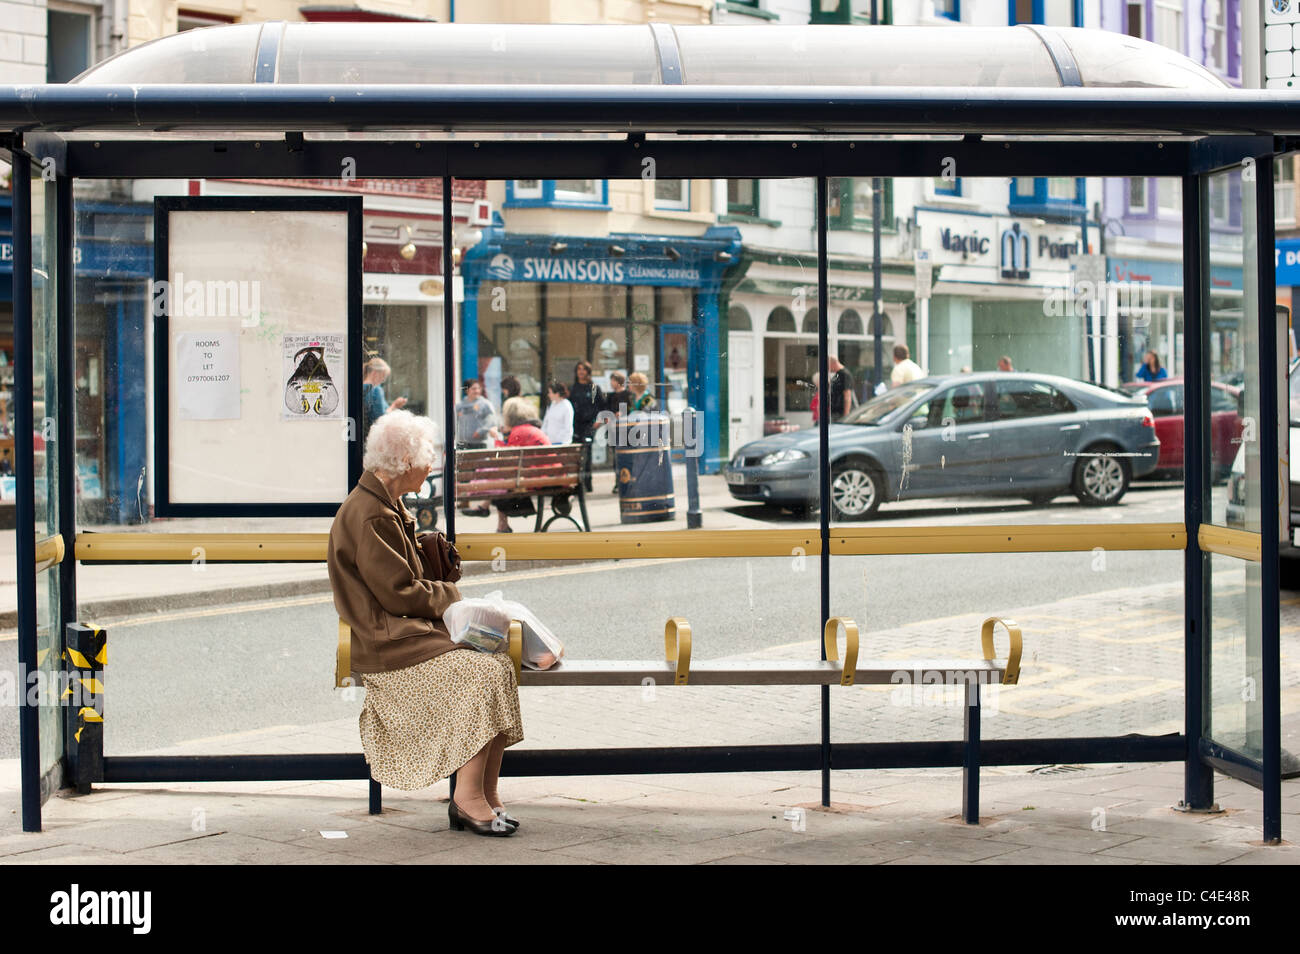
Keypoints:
pixel 772 319
pixel 536 305
pixel 1154 322
pixel 1002 288
pixel 113 258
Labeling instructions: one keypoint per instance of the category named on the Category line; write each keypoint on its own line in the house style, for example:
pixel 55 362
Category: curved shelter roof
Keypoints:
pixel 529 55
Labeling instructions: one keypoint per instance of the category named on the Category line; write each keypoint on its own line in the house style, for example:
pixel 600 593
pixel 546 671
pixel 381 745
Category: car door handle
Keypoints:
pixel 977 437
pixel 1071 427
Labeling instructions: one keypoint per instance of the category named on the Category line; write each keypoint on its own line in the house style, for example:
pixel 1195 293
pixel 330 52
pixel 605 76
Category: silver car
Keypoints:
pixel 1007 434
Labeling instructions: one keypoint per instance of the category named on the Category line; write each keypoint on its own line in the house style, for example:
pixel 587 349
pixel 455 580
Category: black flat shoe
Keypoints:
pixel 507 817
pixel 459 821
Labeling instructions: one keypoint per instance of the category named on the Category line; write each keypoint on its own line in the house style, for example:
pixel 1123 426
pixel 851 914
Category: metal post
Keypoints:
pixel 25 505
pixel 970 766
pixel 877 293
pixel 449 386
pixel 1270 643
pixel 65 426
pixel 694 520
pixel 84 718
pixel 1198 777
pixel 824 457
pixel 376 798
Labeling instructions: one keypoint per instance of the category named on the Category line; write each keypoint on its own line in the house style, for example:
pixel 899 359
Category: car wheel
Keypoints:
pixel 1100 479
pixel 1040 500
pixel 856 490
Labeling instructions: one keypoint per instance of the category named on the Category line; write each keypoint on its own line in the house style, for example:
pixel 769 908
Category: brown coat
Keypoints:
pixel 382 583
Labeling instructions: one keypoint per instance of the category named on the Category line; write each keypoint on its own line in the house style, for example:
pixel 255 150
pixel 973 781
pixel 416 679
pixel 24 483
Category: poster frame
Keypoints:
pixel 163 505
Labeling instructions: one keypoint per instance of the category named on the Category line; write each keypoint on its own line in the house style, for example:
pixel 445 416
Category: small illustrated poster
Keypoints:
pixel 309 364
pixel 207 375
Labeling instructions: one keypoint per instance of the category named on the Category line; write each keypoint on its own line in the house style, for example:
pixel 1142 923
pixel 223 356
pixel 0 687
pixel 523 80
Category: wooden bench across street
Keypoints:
pixel 506 473
pixel 677 669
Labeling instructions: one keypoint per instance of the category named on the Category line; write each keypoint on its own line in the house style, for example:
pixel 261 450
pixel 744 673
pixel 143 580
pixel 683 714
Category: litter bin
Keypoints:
pixel 642 444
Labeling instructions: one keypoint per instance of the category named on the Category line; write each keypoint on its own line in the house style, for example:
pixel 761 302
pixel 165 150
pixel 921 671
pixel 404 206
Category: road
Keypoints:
pixel 203 672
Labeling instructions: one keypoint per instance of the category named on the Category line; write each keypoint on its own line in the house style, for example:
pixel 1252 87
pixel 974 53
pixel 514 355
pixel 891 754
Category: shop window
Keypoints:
pixel 561 193
pixel 673 194
pixel 742 197
pixel 1063 13
pixel 850 323
pixel 70 42
pixel 1169 29
pixel 781 319
pixel 738 319
pixel 851 202
pixel 1137 195
pixel 1047 196
pixel 810 320
pixel 1284 192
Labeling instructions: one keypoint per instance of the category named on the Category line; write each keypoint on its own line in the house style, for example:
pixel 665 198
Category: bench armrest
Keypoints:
pixel 516 637
pixel 831 638
pixel 343 657
pixel 1011 674
pixel 677 648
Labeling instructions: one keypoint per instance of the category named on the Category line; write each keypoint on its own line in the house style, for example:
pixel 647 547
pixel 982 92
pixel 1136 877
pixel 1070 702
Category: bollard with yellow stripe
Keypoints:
pixel 82 698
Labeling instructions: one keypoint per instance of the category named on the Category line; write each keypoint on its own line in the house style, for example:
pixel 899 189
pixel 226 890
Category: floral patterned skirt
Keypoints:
pixel 422 723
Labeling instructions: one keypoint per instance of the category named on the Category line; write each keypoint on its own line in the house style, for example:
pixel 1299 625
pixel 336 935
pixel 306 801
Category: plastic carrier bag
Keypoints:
pixel 484 623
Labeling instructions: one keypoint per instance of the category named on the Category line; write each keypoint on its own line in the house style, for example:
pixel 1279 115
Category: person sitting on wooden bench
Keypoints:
pixel 433 707
pixel 524 430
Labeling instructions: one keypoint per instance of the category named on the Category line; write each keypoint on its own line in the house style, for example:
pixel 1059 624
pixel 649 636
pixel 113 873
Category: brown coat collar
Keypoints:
pixel 376 486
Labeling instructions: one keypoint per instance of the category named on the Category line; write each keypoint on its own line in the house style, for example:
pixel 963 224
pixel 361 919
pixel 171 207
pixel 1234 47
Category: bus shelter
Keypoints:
pixel 236 425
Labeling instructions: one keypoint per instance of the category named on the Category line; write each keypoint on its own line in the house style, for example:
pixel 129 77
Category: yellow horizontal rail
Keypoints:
pixel 1007 538
pixel 1234 543
pixel 207 547
pixel 653 544
pixel 49 552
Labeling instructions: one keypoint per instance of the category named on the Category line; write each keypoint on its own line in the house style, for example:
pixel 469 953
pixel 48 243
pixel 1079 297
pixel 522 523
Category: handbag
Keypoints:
pixel 442 557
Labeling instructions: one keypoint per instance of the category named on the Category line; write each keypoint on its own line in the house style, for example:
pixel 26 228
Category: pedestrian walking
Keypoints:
pixel 588 400
pixel 1150 368
pixel 840 399
pixel 905 369
pixel 557 423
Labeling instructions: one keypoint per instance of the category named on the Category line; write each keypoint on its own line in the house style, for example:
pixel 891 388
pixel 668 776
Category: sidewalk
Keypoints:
pixel 1079 678
pixel 1098 815
pixel 124 590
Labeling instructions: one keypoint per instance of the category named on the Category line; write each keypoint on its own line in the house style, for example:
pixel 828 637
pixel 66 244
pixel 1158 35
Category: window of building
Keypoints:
pixel 1216 36
pixel 1284 192
pixel 1137 195
pixel 1218 199
pixel 1065 13
pixel 673 194
pixel 1047 196
pixel 1169 29
pixel 196 19
pixel 950 9
pixel 742 197
pixel 70 42
pixel 947 187
pixel 593 193
pixel 851 201
pixel 1169 193
pixel 781 319
pixel 1135 19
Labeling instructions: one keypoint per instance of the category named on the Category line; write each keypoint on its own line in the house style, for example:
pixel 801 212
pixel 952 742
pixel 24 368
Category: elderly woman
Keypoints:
pixel 433 707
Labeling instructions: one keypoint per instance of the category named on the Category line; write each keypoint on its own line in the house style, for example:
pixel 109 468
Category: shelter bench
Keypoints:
pixel 514 473
pixel 677 669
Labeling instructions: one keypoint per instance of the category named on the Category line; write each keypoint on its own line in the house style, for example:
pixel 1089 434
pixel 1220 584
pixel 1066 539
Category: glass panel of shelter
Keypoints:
pixel 1233 585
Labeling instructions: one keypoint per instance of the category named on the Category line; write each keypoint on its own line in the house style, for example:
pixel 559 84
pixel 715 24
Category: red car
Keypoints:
pixel 1165 398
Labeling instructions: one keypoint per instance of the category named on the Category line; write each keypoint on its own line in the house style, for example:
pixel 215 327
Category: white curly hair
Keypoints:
pixel 398 441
